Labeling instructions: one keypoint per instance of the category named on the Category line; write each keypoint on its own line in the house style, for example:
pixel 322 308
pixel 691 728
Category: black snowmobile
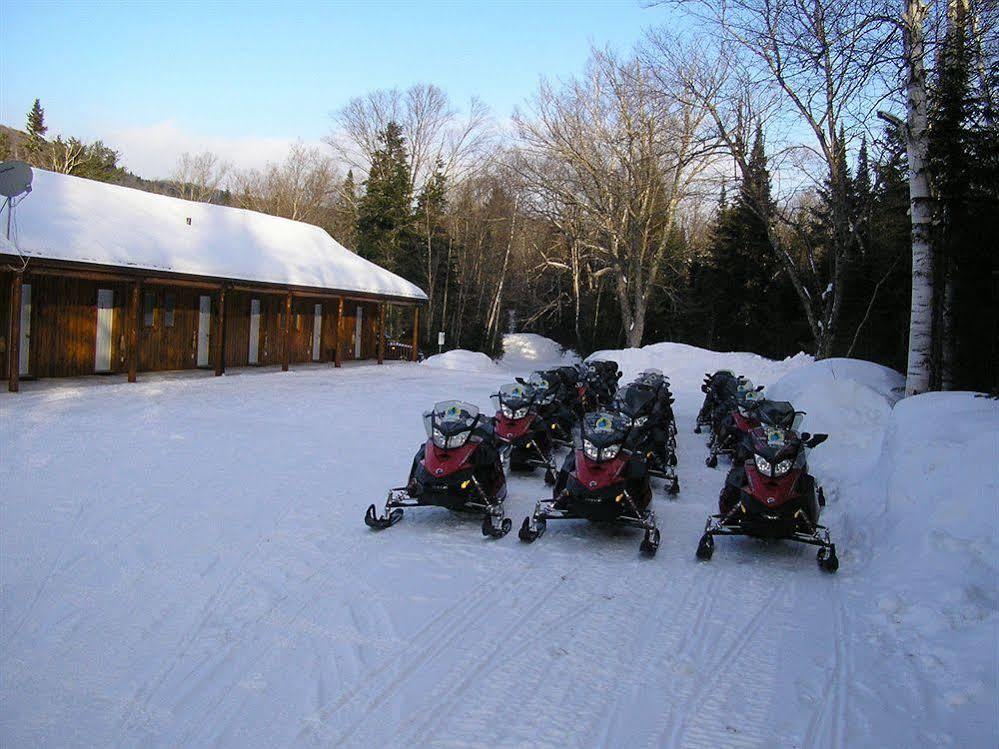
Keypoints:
pixel 773 496
pixel 603 480
pixel 458 468
pixel 733 419
pixel 718 388
pixel 524 441
pixel 551 403
pixel 640 405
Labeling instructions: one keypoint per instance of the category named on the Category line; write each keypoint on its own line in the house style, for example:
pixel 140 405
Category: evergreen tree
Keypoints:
pixel 384 216
pixel 345 213
pixel 754 306
pixel 36 128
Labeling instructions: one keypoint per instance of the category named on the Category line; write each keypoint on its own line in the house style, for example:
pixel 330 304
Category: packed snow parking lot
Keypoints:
pixel 184 563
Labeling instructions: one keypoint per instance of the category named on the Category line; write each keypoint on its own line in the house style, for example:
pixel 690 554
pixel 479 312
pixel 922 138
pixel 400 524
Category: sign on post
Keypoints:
pixel 440 341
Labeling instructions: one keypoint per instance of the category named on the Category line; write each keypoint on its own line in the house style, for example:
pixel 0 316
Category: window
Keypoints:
pixel 148 309
pixel 169 303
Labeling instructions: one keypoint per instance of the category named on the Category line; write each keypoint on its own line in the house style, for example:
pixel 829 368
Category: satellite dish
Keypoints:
pixel 15 178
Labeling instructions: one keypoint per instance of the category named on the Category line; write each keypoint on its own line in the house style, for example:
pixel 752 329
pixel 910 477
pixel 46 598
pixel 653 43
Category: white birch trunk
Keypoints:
pixel 918 371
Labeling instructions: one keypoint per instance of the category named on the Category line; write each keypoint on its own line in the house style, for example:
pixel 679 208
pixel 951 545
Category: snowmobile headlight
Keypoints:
pixel 439 439
pixel 783 467
pixel 520 413
pixel 640 421
pixel 743 412
pixel 763 465
pixel 457 440
pixel 590 450
pixel 610 452
pixel 506 411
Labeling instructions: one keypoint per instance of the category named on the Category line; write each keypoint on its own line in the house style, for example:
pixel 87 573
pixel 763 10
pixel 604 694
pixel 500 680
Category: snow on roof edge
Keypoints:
pixel 78 220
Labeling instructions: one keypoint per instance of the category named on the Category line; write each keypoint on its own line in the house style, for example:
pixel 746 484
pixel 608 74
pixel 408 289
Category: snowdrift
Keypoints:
pixel 529 351
pixel 932 544
pixel 848 399
pixel 685 365
pixel 461 360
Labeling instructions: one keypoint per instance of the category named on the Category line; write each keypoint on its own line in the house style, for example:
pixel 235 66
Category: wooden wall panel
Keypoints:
pixel 302 317
pixel 5 281
pixel 237 328
pixel 63 326
pixel 271 328
pixel 163 347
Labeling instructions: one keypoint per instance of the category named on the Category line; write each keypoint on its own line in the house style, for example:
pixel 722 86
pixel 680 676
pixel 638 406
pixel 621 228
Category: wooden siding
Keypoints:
pixel 5 281
pixel 63 336
pixel 163 347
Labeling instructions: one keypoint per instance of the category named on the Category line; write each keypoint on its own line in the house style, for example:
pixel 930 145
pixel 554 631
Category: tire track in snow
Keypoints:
pixel 828 724
pixel 442 629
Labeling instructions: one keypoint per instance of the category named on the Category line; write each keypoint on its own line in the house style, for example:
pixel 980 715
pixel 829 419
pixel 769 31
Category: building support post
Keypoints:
pixel 381 333
pixel 413 354
pixel 336 344
pixel 220 335
pixel 133 332
pixel 286 353
pixel 14 339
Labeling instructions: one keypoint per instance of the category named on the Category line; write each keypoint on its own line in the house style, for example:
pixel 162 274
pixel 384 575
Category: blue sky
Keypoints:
pixel 156 78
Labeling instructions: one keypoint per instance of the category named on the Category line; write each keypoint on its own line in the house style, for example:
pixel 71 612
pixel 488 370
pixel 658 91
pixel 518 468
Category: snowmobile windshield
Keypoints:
pixel 514 400
pixel 603 433
pixel 775 450
pixel 543 385
pixel 635 403
pixel 749 401
pixel 450 423
pixel 776 413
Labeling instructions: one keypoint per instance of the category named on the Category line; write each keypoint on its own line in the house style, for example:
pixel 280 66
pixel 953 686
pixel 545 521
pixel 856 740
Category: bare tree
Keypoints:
pixel 616 155
pixel 200 177
pixel 435 131
pixel 823 58
pixel 303 187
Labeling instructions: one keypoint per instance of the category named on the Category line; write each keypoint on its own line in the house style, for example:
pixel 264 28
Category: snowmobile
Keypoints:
pixel 655 379
pixel 523 439
pixel 773 496
pixel 458 468
pixel 597 384
pixel 640 405
pixel 733 421
pixel 604 480
pixel 552 410
pixel 718 388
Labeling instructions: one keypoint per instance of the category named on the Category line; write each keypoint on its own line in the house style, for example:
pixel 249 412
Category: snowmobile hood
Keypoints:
pixel 439 462
pixel 593 475
pixel 508 429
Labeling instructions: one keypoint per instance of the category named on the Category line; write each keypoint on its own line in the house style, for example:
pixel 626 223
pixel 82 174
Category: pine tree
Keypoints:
pixel 345 213
pixel 36 129
pixel 384 219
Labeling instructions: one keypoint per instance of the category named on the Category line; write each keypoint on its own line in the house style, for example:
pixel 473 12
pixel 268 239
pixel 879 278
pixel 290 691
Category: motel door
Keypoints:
pixel 23 358
pixel 254 331
pixel 317 332
pixel 204 326
pixel 358 327
pixel 105 317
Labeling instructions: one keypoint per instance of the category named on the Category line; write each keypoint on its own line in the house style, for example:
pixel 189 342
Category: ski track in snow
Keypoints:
pixel 273 617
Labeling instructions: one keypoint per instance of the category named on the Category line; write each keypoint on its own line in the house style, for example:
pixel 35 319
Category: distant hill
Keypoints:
pixel 12 142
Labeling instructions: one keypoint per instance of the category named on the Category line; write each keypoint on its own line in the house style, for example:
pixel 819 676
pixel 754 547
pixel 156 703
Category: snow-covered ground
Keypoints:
pixel 184 563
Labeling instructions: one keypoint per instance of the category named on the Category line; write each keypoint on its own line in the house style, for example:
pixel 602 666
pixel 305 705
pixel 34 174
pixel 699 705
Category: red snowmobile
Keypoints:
pixel 603 480
pixel 523 439
pixel 458 468
pixel 773 496
pixel 734 423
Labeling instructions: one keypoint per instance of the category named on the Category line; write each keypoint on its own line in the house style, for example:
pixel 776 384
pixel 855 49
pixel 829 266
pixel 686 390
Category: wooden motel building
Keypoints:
pixel 103 279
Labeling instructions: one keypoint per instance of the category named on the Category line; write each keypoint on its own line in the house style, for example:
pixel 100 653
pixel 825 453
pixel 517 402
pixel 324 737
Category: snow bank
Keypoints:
pixel 461 360
pixel 529 351
pixel 848 399
pixel 932 544
pixel 685 365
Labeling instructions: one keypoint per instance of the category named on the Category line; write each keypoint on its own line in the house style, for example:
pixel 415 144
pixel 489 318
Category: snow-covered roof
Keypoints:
pixel 69 218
